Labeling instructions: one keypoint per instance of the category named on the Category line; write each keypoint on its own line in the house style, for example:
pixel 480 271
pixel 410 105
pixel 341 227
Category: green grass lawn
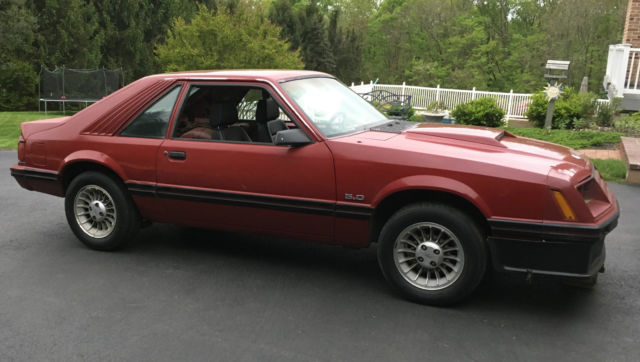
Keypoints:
pixel 10 125
pixel 569 138
pixel 611 170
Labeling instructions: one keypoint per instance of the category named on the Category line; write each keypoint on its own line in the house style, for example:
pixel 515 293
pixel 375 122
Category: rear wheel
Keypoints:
pixel 432 253
pixel 100 212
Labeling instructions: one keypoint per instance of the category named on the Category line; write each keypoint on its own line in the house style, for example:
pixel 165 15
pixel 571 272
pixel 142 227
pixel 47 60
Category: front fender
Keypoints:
pixel 433 183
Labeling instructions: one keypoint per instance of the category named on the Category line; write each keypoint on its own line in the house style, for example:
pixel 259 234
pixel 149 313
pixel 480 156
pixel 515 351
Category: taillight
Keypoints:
pixel 21 144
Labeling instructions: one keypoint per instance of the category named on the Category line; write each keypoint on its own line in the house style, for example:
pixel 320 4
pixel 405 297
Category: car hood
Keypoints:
pixel 482 149
pixel 498 138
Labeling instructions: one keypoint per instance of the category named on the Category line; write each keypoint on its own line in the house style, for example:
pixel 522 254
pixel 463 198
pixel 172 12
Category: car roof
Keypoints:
pixel 273 75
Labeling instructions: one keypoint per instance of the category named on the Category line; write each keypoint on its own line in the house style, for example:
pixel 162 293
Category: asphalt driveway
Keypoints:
pixel 178 294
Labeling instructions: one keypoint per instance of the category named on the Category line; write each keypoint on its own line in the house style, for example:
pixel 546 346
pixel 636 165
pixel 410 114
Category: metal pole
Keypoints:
pixel 104 79
pixel 547 121
pixel 39 80
pixel 63 95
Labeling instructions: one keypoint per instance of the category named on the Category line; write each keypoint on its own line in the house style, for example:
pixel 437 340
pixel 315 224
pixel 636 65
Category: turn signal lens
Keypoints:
pixel 564 206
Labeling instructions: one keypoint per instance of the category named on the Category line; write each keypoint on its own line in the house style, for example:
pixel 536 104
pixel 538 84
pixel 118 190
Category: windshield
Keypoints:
pixel 332 107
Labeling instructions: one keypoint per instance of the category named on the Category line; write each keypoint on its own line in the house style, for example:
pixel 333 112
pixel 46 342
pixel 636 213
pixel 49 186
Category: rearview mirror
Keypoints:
pixel 292 137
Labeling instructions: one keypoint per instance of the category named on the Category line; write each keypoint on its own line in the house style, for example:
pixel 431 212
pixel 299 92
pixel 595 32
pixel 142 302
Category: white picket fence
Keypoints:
pixel 514 104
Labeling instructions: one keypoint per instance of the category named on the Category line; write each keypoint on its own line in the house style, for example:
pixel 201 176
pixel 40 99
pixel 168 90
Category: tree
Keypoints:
pixel 125 25
pixel 416 40
pixel 69 33
pixel 581 31
pixel 132 28
pixel 18 78
pixel 222 40
pixel 494 45
pixel 282 13
pixel 316 50
pixel 347 31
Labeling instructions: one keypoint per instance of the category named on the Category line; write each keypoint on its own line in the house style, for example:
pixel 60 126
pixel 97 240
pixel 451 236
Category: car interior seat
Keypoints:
pixel 274 127
pixel 222 117
pixel 267 111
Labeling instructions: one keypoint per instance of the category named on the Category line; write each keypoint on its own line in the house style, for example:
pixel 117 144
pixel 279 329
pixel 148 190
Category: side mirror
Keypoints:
pixel 292 137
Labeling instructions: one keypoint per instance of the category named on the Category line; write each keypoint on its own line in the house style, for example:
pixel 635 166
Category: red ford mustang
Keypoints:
pixel 298 154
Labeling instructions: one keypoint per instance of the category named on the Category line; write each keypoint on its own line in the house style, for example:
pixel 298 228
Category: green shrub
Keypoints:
pixel 569 107
pixel 629 124
pixel 606 112
pixel 17 86
pixel 412 113
pixel 416 118
pixel 479 112
pixel 435 106
pixel 582 123
pixel 537 109
pixel 396 110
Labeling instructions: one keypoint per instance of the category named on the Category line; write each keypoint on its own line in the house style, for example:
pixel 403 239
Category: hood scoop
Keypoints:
pixel 483 135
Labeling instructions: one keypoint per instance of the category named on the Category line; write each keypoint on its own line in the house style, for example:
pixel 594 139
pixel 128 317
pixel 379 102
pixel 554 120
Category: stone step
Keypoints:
pixel 631 152
pixel 630 102
pixel 603 154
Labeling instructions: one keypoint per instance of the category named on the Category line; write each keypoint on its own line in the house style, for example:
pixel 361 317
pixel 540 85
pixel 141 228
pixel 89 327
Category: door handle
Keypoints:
pixel 177 155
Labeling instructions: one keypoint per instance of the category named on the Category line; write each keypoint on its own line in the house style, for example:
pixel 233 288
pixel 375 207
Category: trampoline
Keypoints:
pixel 81 86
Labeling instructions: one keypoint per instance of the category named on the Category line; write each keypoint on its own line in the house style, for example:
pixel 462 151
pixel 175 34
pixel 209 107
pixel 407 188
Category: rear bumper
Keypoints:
pixel 37 179
pixel 563 250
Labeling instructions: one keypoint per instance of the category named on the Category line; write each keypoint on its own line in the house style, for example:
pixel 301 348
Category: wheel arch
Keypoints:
pixel 82 161
pixel 428 189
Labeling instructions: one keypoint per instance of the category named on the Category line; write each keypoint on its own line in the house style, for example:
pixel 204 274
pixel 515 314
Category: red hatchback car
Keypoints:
pixel 298 154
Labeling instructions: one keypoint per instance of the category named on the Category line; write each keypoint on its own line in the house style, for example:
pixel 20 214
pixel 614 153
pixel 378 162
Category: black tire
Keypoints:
pixel 467 239
pixel 123 219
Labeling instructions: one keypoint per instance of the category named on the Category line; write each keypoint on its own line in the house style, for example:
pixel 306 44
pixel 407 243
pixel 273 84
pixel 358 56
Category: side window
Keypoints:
pixel 230 113
pixel 248 105
pixel 153 122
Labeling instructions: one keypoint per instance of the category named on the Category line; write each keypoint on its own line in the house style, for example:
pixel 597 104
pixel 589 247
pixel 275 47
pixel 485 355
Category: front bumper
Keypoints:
pixel 563 250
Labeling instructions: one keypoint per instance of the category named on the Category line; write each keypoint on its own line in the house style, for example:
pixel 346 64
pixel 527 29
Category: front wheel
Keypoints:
pixel 100 212
pixel 432 253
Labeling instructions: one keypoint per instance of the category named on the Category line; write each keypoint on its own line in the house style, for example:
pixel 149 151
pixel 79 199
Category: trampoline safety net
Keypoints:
pixel 78 84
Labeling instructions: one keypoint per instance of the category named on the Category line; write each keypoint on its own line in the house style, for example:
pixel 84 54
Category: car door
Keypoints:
pixel 238 184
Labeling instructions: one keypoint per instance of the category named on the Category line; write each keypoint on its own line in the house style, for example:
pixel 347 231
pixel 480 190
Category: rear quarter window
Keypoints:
pixel 153 122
